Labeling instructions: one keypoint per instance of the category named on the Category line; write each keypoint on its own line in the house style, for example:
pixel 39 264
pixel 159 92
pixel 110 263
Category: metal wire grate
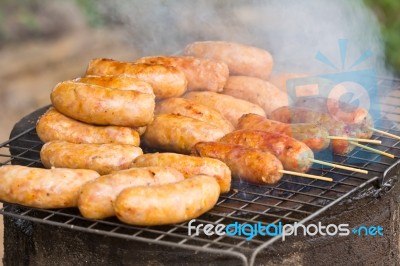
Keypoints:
pixel 293 199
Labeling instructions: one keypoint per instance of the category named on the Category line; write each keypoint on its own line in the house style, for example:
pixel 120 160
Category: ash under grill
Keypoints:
pixel 293 199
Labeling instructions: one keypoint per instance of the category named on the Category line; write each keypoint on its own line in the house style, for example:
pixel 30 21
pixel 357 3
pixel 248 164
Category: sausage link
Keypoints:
pixel 338 110
pixel 43 188
pixel 357 119
pixel 177 133
pixel 166 81
pixel 256 91
pixel 230 107
pixel 250 165
pixel 241 59
pixel 168 203
pixel 96 197
pixel 314 136
pixel 189 166
pixel 102 158
pixel 293 154
pixel 201 73
pixel 103 106
pixel 195 110
pixel 334 127
pixel 55 126
pixel 121 82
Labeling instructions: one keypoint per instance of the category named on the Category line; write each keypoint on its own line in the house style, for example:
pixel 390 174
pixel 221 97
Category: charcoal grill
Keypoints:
pixel 293 199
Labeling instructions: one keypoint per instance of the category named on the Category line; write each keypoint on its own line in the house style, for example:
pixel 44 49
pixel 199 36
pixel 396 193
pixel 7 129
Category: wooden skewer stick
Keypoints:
pixel 371 149
pixel 385 133
pixel 306 175
pixel 340 166
pixel 374 141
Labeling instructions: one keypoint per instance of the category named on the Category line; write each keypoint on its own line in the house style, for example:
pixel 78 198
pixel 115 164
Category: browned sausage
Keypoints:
pixel 102 158
pixel 241 59
pixel 121 82
pixel 256 91
pixel 189 166
pixel 103 106
pixel 177 133
pixel 250 165
pixel 43 188
pixel 195 110
pixel 201 74
pixel 293 154
pixel 230 107
pixel 168 203
pixel 334 127
pixel 97 197
pixel 338 110
pixel 166 81
pixel 314 136
pixel 55 126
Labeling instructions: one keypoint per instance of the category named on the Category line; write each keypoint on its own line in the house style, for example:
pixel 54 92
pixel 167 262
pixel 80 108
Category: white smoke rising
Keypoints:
pixel 293 31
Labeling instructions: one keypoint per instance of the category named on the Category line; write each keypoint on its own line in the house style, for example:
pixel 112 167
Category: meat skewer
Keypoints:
pixel 335 128
pixel 293 154
pixel 314 136
pixel 373 150
pixel 248 164
pixel 385 133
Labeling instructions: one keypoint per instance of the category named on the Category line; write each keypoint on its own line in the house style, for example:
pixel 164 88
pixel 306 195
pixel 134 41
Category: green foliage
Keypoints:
pixel 92 14
pixel 388 13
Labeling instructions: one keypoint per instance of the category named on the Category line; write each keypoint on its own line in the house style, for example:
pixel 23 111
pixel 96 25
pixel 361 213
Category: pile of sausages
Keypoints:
pixel 211 113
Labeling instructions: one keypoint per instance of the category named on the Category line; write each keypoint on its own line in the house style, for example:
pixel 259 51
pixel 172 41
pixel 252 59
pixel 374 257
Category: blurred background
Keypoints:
pixel 43 42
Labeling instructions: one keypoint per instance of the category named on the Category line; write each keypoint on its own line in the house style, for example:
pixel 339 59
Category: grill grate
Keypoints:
pixel 293 199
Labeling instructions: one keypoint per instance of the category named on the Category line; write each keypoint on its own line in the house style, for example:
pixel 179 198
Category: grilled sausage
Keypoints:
pixel 96 197
pixel 293 154
pixel 195 110
pixel 43 188
pixel 166 81
pixel 338 110
pixel 201 74
pixel 102 158
pixel 314 136
pixel 103 106
pixel 55 126
pixel 189 166
pixel 241 59
pixel 177 133
pixel 247 164
pixel 121 82
pixel 334 127
pixel 168 203
pixel 230 107
pixel 256 91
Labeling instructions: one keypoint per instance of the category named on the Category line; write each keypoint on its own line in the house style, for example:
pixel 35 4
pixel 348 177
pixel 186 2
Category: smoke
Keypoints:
pixel 293 31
